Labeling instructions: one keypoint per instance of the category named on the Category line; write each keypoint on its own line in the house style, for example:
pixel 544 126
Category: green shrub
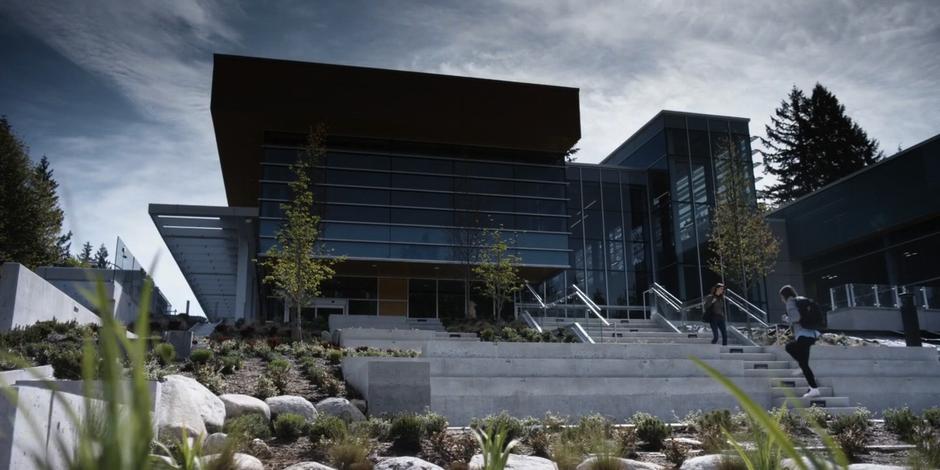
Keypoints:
pixel 165 352
pixel 709 428
pixel 350 452
pixel 433 423
pixel 334 356
pixel 374 427
pixel 926 454
pixel 513 426
pixel 230 363
pixel 901 421
pixel 540 441
pixel 858 420
pixel 932 416
pixel 326 427
pixel 250 426
pixel 209 377
pixel 201 356
pixel 626 440
pixel 406 432
pixel 791 423
pixel 289 426
pixel 488 335
pixel 651 430
pixel 814 415
pixel 265 388
pixel 67 364
pixel 606 455
pixel 279 373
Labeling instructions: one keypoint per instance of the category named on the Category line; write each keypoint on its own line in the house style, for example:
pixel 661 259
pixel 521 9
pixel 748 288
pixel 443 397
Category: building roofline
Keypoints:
pixel 774 213
pixel 664 112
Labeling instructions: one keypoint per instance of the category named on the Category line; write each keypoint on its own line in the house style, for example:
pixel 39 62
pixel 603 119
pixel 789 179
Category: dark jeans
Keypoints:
pixel 719 324
pixel 799 349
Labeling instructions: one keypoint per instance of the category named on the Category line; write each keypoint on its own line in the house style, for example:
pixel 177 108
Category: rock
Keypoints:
pixel 259 449
pixel 241 462
pixel 309 466
pixel 239 405
pixel 187 404
pixel 341 408
pixel 292 404
pixel 519 462
pixel 405 463
pixel 55 337
pixel 360 405
pixel 789 464
pixel 625 464
pixel 703 462
pixel 874 466
pixel 215 443
pixel 687 441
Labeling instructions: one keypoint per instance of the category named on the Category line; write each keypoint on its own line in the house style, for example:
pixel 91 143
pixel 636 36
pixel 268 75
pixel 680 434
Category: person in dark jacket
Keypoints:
pixel 714 305
pixel 803 339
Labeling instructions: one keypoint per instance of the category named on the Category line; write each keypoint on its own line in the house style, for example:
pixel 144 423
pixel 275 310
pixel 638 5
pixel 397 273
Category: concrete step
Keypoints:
pixel 654 339
pixel 822 402
pixel 772 373
pixel 638 334
pixel 748 356
pixel 742 349
pixel 767 364
pixel 784 392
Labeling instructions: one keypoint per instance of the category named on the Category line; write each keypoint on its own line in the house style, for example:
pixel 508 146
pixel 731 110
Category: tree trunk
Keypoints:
pixel 296 332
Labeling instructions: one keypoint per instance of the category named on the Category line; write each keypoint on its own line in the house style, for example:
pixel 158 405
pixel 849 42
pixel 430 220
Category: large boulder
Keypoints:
pixel 625 464
pixel 405 463
pixel 292 404
pixel 215 443
pixel 341 408
pixel 186 404
pixel 703 462
pixel 874 466
pixel 519 462
pixel 309 466
pixel 239 405
pixel 241 462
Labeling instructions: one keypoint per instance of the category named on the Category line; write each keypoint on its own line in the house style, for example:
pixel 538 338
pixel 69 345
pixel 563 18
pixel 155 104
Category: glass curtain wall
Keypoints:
pixel 608 240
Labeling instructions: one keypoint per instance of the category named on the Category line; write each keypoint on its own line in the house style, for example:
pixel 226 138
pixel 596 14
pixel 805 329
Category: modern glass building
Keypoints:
pixel 419 165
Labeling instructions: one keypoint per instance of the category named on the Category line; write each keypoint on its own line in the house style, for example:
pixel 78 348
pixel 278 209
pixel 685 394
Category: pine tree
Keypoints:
pixel 811 143
pixel 85 257
pixel 101 258
pixel 30 217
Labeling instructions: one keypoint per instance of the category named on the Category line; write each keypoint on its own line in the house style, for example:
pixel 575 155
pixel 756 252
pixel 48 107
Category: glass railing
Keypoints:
pixel 881 296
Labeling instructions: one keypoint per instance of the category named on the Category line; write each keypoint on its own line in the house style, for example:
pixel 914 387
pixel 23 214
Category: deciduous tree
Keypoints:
pixel 297 264
pixel 498 271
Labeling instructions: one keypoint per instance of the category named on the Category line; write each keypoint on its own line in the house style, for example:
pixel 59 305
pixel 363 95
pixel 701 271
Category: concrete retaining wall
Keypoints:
pixel 11 377
pixel 879 319
pixel 390 385
pixel 26 298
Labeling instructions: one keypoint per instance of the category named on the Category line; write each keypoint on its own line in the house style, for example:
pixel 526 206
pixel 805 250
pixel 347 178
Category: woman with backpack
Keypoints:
pixel 714 313
pixel 799 311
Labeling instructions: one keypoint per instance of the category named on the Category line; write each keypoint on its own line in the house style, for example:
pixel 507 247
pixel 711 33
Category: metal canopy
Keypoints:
pixel 206 242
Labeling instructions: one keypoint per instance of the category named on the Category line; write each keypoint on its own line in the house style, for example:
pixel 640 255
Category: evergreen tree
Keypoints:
pixel 30 217
pixel 811 142
pixel 85 257
pixel 101 258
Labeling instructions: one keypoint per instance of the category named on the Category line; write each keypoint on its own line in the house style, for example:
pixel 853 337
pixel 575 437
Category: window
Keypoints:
pixel 421 217
pixel 357 160
pixel 422 199
pixel 277 173
pixel 439 183
pixel 357 195
pixel 494 170
pixel 357 213
pixel 423 165
pixel 275 191
pixel 421 235
pixel 357 178
pixel 355 232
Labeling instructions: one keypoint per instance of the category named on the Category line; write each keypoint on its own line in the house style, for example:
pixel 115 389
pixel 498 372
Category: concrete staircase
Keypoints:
pixel 384 322
pixel 625 331
pixel 786 381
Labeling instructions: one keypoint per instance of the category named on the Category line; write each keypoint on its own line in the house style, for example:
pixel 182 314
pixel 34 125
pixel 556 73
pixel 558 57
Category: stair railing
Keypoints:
pixel 757 311
pixel 581 334
pixel 660 293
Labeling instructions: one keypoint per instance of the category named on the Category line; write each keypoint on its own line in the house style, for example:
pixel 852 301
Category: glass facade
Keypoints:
pixel 610 228
pixel 686 158
pixel 420 209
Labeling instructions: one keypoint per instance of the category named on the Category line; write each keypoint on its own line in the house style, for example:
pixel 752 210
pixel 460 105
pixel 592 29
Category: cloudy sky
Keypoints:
pixel 116 92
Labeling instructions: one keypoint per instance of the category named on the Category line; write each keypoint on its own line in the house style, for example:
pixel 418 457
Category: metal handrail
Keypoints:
pixel 527 317
pixel 579 332
pixel 658 291
pixel 665 292
pixel 732 301
pixel 538 298
pixel 743 300
pixel 590 303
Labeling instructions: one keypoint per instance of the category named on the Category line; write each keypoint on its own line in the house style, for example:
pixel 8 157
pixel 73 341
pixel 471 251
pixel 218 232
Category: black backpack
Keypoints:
pixel 810 315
